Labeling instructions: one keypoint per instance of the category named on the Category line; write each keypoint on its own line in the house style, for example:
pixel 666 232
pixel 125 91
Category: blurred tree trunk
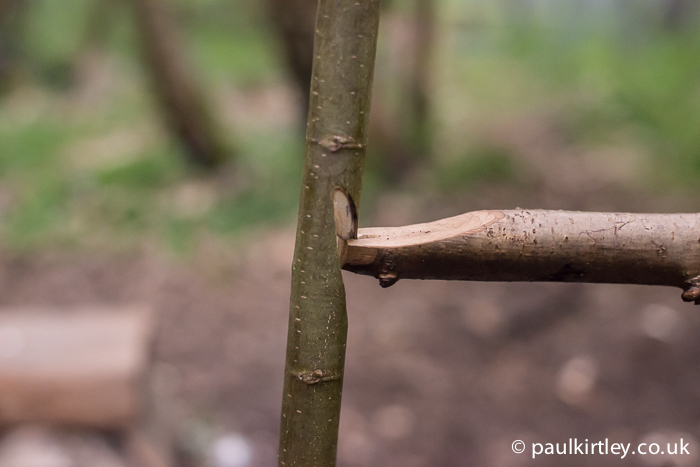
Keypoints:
pixel 402 135
pixel 680 13
pixel 294 23
pixel 336 138
pixel 425 18
pixel 395 156
pixel 417 127
pixel 187 113
pixel 11 21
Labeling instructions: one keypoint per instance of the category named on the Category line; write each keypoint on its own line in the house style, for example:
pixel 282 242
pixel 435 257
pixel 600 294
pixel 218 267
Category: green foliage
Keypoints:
pixel 152 172
pixel 146 195
pixel 27 149
pixel 246 57
pixel 40 213
pixel 609 80
pixel 645 81
pixel 249 208
pixel 52 36
pixel 66 180
pixel 481 164
pixel 611 73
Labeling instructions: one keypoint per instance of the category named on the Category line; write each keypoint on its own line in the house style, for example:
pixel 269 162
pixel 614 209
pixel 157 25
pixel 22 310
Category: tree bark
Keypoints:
pixel 537 245
pixel 188 114
pixel 344 54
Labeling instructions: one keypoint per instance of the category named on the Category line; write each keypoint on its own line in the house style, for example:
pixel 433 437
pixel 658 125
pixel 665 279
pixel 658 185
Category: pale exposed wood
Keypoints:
pixel 418 234
pixel 344 214
pixel 537 245
pixel 345 218
pixel 84 368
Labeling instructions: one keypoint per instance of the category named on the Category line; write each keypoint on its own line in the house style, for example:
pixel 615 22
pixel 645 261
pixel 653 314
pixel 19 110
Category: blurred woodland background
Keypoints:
pixel 151 153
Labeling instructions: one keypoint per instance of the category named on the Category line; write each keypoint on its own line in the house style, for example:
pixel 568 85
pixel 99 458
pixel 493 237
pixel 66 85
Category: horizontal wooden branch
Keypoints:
pixel 537 245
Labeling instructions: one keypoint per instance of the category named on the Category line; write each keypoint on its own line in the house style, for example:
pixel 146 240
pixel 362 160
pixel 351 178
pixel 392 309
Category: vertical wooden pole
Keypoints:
pixel 341 83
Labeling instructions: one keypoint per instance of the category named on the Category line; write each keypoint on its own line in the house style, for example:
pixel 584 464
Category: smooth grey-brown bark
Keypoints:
pixel 537 245
pixel 344 53
pixel 187 113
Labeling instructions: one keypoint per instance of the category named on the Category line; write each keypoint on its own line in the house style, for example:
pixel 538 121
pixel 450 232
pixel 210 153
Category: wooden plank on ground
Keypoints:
pixel 84 367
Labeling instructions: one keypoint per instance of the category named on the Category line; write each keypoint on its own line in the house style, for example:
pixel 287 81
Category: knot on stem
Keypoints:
pixel 337 142
pixel 316 376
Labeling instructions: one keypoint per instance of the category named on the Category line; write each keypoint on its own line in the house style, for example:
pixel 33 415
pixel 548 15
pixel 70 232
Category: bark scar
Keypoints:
pixel 316 376
pixel 337 142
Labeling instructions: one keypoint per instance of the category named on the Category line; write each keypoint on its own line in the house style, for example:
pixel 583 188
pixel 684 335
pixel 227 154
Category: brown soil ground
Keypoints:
pixel 438 374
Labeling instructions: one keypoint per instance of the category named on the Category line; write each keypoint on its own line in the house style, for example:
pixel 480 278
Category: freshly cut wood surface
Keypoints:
pixel 537 245
pixel 418 234
pixel 85 367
